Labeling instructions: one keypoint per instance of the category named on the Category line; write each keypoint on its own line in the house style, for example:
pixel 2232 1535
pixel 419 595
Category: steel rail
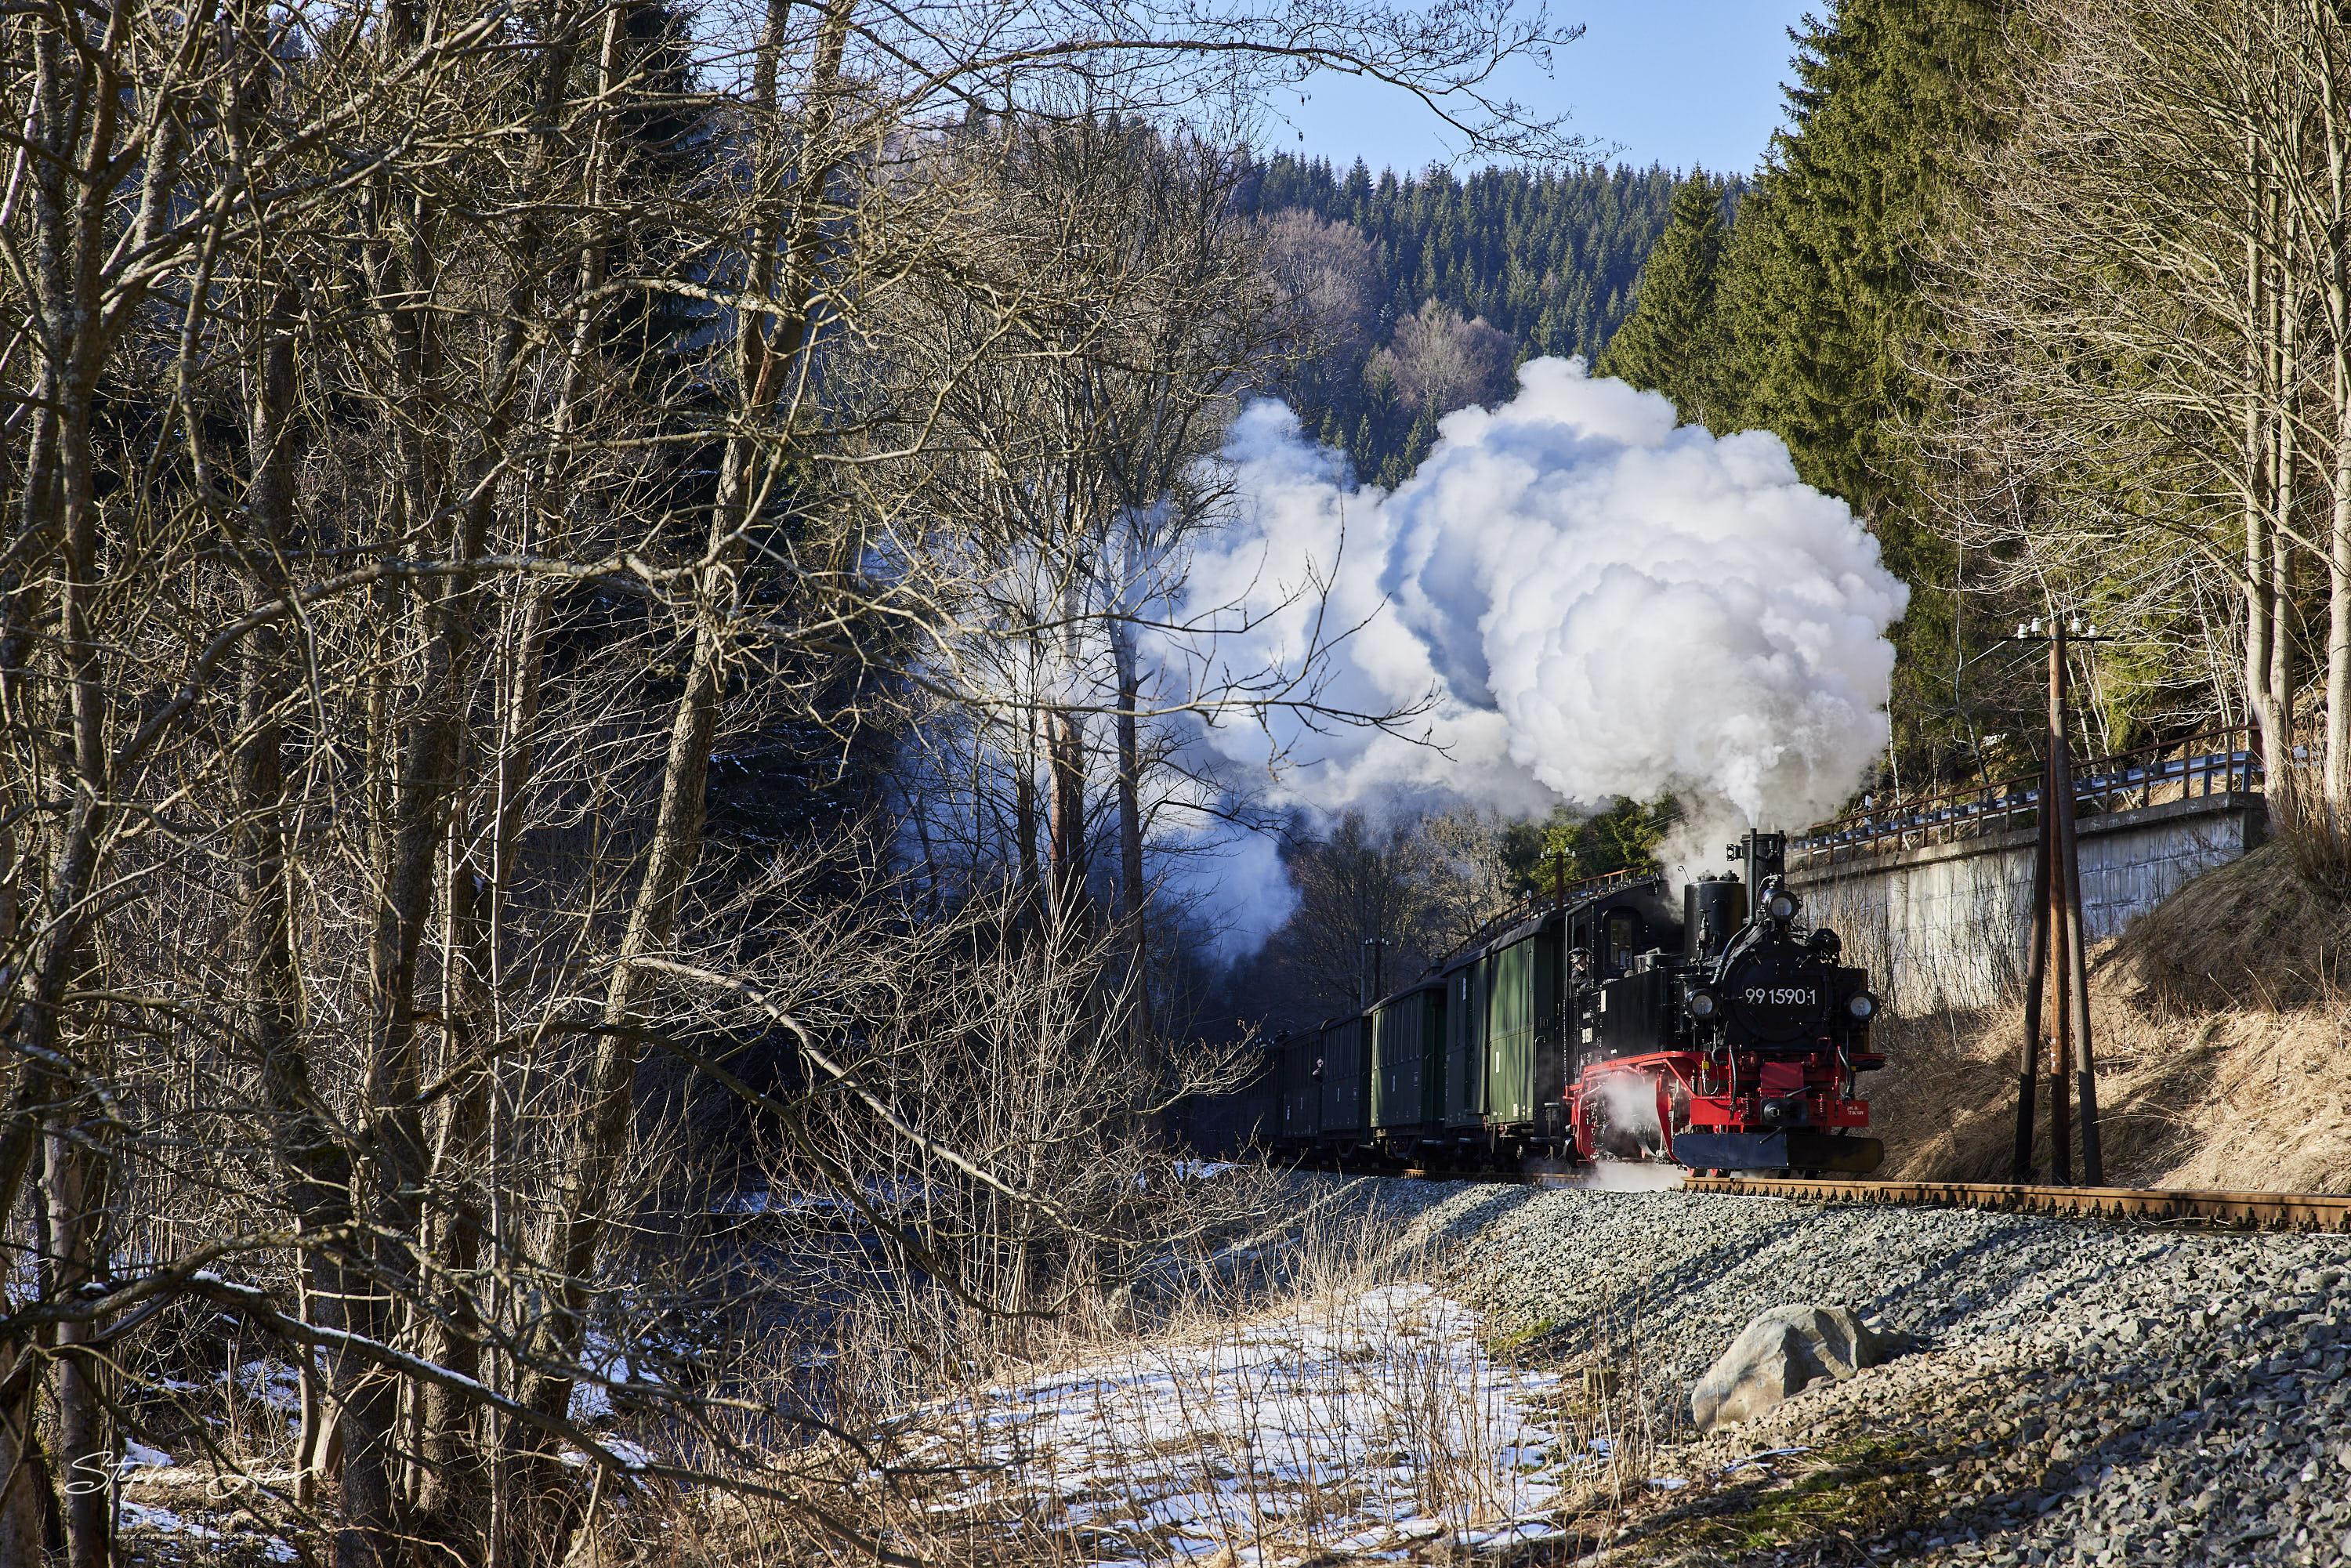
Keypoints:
pixel 2259 1210
pixel 2249 1210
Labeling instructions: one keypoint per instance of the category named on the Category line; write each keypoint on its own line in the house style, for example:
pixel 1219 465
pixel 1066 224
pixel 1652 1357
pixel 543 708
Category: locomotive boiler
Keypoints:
pixel 1718 1031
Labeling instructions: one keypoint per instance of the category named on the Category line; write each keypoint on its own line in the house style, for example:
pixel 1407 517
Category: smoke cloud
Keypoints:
pixel 1582 599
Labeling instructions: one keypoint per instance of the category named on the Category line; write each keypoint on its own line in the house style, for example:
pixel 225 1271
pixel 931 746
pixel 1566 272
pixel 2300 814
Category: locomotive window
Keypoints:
pixel 1621 926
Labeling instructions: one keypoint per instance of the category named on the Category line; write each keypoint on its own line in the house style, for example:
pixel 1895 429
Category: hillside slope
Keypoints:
pixel 2219 1023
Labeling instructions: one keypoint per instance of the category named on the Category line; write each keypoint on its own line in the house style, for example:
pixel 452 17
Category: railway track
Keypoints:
pixel 2184 1206
pixel 2257 1210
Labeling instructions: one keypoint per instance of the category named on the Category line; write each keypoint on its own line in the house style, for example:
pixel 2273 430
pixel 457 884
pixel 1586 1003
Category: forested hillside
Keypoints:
pixel 2039 288
pixel 1957 290
pixel 1549 257
pixel 1432 287
pixel 1810 317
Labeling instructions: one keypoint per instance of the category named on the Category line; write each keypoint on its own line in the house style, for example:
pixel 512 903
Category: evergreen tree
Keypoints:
pixel 1548 258
pixel 1822 313
pixel 1672 342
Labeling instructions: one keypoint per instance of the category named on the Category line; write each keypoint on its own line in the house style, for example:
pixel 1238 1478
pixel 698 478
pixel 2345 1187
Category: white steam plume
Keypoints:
pixel 1598 602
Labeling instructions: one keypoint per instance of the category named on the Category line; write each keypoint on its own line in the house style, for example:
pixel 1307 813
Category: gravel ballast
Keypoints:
pixel 2072 1392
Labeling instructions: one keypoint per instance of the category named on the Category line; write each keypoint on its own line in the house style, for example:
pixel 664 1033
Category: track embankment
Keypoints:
pixel 2073 1390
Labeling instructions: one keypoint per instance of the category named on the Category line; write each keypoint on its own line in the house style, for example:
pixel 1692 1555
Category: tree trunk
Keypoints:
pixel 2337 786
pixel 431 768
pixel 23 1477
pixel 2332 227
pixel 2287 304
pixel 75 1198
pixel 1024 809
pixel 1133 895
pixel 319 1174
pixel 2260 371
pixel 769 352
pixel 459 1476
pixel 454 1490
pixel 2285 495
pixel 74 128
pixel 1065 759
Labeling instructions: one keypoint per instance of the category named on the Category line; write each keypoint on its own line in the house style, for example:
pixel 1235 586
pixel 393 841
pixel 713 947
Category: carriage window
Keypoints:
pixel 1621 927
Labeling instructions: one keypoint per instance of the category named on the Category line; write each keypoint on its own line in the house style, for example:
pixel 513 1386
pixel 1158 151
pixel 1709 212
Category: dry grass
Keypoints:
pixel 1322 1398
pixel 2219 1020
pixel 2315 834
pixel 2253 934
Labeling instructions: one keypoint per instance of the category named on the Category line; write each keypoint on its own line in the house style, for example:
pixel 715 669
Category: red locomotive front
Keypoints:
pixel 1742 1052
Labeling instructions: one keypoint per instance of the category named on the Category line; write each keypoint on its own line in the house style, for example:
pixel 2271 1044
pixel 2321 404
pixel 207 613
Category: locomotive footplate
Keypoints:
pixel 1796 1148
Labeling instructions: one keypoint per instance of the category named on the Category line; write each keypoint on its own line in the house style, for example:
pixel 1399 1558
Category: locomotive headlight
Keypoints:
pixel 1703 1006
pixel 1781 907
pixel 1861 1006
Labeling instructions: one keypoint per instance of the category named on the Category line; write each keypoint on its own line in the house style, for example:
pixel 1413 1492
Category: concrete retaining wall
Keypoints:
pixel 1948 924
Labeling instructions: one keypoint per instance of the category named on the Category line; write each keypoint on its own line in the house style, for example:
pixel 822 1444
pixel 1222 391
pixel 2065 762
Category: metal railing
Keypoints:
pixel 2217 762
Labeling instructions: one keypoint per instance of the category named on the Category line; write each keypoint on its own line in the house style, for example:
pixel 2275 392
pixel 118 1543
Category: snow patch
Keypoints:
pixel 270 1383
pixel 632 1455
pixel 1367 1427
pixel 163 1522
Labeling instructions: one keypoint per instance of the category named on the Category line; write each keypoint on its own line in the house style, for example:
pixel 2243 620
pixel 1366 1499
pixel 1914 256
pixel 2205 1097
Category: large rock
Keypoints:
pixel 1778 1356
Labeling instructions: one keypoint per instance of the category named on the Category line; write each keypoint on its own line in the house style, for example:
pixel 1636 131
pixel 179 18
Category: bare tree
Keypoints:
pixel 1366 921
pixel 2151 332
pixel 1440 362
pixel 435 436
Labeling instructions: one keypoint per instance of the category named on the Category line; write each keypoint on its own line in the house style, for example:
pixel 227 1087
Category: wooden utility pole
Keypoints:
pixel 2059 951
pixel 2028 1059
pixel 2076 1017
pixel 2054 804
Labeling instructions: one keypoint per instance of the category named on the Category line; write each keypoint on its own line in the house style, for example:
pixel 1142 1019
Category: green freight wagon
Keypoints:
pixel 1408 1063
pixel 1346 1069
pixel 1463 1089
pixel 1471 1064
pixel 1301 1084
pixel 1522 1023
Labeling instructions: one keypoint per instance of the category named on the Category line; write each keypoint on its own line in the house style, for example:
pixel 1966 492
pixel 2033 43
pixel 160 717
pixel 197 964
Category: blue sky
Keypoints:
pixel 1676 82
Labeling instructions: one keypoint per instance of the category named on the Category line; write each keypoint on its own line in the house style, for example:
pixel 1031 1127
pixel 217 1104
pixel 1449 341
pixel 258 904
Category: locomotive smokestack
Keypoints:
pixel 1766 855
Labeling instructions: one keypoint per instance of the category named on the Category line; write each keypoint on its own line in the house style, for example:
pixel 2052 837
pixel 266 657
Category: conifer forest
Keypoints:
pixel 653 734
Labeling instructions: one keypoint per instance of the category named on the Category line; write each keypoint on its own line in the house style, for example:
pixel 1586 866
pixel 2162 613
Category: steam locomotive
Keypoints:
pixel 1719 1035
